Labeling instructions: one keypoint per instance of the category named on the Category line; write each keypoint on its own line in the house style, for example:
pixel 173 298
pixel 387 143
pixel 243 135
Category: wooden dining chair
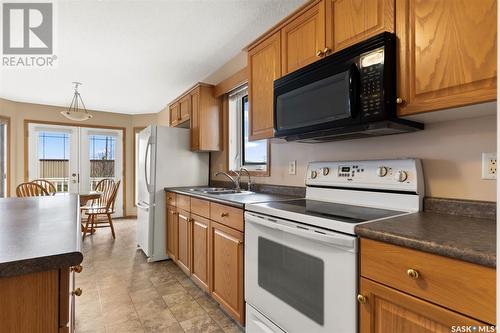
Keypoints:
pixel 102 207
pixel 29 189
pixel 48 186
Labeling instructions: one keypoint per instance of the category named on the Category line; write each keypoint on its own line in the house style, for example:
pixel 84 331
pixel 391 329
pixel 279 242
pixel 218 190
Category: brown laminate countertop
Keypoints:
pixel 238 200
pixel 464 238
pixel 39 234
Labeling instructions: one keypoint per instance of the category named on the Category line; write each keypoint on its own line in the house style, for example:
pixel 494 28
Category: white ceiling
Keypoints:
pixel 135 56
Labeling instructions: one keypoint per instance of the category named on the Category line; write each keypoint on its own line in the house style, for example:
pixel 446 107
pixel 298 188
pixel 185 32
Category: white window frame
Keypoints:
pixel 235 133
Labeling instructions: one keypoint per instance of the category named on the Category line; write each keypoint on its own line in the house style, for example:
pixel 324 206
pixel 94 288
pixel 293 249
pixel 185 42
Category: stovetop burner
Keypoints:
pixel 334 211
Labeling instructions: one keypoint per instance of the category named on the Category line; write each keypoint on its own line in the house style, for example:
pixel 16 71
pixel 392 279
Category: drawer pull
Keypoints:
pixel 77 269
pixel 224 214
pixel 77 292
pixel 362 299
pixel 413 273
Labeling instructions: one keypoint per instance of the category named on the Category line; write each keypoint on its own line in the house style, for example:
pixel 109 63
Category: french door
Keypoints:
pixel 74 158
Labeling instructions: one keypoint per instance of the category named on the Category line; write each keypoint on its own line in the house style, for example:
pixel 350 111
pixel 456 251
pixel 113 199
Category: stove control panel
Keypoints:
pixel 396 175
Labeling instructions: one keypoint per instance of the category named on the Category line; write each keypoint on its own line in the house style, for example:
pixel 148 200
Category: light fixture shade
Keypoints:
pixel 74 111
pixel 76 115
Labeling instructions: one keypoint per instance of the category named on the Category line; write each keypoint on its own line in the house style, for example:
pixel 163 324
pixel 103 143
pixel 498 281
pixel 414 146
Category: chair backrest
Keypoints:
pixel 48 186
pixel 111 203
pixel 106 186
pixel 30 190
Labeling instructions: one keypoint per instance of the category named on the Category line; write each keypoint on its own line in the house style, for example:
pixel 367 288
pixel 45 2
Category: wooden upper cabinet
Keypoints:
pixel 352 21
pixel 199 110
pixel 303 39
pixel 185 108
pixel 447 53
pixel 195 120
pixel 200 248
pixel 388 310
pixel 264 62
pixel 175 115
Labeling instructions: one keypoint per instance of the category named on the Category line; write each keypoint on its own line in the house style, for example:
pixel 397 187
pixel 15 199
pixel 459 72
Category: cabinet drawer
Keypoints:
pixel 227 215
pixel 183 202
pixel 171 198
pixel 200 207
pixel 464 287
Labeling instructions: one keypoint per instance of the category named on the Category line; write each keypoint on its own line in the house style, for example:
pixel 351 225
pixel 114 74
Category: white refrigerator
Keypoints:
pixel 164 160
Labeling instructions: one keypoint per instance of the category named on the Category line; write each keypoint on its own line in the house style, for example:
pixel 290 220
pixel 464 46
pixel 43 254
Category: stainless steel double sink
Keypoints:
pixel 218 190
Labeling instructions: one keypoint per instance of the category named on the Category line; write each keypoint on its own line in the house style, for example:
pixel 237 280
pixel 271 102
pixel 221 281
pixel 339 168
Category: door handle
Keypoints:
pixel 148 147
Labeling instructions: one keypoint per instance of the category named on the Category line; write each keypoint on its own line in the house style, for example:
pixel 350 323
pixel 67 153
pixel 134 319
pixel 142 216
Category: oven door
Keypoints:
pixel 302 279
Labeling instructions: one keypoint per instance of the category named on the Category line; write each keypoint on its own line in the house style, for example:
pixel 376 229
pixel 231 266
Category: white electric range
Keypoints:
pixel 301 256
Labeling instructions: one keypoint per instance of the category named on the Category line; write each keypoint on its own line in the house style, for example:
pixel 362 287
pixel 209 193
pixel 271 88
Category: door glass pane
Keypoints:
pixel 53 158
pixel 102 158
pixel 295 277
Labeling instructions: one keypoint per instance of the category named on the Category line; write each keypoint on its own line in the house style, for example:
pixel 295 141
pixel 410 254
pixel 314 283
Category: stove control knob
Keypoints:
pixel 314 174
pixel 326 171
pixel 381 171
pixel 400 176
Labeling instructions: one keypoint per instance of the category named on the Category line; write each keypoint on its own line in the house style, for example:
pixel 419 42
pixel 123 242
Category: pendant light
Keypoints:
pixel 75 111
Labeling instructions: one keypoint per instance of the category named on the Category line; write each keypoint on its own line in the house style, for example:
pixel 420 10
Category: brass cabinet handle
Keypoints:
pixel 77 269
pixel 362 299
pixel 224 214
pixel 326 51
pixel 413 273
pixel 77 292
pixel 319 53
pixel 399 100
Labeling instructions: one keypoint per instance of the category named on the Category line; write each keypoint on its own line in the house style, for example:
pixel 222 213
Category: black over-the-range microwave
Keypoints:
pixel 349 94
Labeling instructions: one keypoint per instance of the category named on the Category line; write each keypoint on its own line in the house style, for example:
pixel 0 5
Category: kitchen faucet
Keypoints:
pixel 236 181
pixel 249 184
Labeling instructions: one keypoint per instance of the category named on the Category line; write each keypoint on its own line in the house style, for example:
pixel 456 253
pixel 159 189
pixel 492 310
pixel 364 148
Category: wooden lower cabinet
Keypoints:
pixel 172 233
pixel 200 246
pixel 210 251
pixel 227 276
pixel 386 310
pixel 184 241
pixel 35 302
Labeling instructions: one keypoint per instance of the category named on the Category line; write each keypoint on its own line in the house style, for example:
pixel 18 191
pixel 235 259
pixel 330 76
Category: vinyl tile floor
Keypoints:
pixel 123 293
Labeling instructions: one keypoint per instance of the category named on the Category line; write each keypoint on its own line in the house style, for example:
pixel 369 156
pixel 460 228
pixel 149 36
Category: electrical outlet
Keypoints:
pixel 292 165
pixel 489 166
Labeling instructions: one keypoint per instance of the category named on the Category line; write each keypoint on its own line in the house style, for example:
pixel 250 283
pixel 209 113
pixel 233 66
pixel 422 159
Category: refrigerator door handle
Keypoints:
pixel 148 149
pixel 142 206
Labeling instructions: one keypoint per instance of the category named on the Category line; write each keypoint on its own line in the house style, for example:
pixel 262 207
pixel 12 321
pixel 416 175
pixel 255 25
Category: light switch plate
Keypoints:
pixel 292 166
pixel 489 166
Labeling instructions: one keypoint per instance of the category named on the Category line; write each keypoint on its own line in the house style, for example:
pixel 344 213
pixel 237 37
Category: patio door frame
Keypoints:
pixel 6 120
pixel 27 122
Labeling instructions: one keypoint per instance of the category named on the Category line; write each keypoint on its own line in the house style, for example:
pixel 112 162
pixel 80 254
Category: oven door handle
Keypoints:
pixel 331 239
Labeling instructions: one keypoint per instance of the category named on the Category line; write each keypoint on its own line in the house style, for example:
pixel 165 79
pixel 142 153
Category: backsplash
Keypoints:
pixel 450 153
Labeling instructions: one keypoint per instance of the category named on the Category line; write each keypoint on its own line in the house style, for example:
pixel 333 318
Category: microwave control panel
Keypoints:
pixel 371 66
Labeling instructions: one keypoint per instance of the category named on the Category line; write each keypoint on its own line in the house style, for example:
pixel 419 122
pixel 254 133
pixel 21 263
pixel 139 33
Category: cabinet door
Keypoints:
pixel 388 310
pixel 303 39
pixel 195 120
pixel 185 108
pixel 184 247
pixel 352 21
pixel 200 268
pixel 227 265
pixel 447 53
pixel 172 233
pixel 265 67
pixel 174 114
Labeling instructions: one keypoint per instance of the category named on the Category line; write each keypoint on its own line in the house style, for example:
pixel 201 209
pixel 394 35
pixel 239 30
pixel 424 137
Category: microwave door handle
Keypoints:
pixel 305 233
pixel 353 89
